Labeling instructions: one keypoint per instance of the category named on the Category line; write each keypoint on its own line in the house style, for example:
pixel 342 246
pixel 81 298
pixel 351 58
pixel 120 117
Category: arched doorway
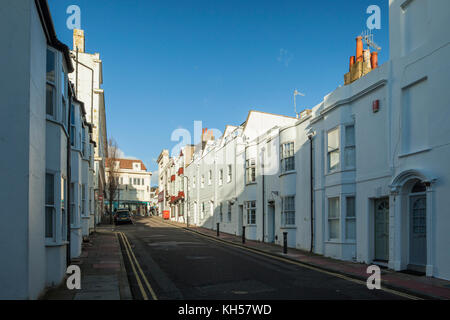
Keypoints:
pixel 411 198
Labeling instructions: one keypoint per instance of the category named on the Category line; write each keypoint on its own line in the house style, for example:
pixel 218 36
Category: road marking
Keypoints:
pixel 152 292
pixel 144 294
pixel 405 295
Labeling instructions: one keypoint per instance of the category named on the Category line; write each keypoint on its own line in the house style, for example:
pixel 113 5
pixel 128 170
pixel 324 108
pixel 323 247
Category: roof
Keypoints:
pixel 50 33
pixel 128 163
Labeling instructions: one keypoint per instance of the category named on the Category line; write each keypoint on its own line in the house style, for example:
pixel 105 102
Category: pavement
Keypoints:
pixel 420 286
pixel 103 273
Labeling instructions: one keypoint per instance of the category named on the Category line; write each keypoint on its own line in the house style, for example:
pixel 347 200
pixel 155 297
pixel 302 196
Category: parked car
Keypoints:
pixel 122 216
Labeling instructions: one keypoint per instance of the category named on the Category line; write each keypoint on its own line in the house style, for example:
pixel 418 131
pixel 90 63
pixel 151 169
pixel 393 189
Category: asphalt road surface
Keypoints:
pixel 173 263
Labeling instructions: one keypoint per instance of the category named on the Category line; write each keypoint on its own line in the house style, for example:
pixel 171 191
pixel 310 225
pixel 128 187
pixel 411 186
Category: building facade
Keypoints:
pixel 36 133
pixel 87 79
pixel 362 176
pixel 134 191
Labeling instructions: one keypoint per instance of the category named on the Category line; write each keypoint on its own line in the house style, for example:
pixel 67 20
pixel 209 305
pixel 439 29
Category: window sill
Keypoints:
pixel 414 152
pixel 251 225
pixel 287 173
pixel 51 243
pixel 288 227
pixel 250 183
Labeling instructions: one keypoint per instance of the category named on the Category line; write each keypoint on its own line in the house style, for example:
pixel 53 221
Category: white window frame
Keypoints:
pixel 209 177
pixel 250 207
pixel 349 146
pixel 51 206
pixel 287 156
pixel 334 150
pixel 229 173
pixel 250 170
pixel 288 216
pixel 334 218
pixel 53 85
pixel 220 177
pixel 348 218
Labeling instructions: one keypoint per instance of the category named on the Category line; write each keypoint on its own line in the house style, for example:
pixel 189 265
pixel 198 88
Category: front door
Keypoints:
pixel 418 231
pixel 382 229
pixel 271 223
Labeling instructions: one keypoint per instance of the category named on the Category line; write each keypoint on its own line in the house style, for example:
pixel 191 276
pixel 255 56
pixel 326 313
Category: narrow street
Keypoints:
pixel 179 264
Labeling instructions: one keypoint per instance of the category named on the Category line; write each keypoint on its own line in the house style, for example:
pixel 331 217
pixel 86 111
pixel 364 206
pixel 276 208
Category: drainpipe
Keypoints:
pixel 263 200
pixel 69 180
pixel 310 137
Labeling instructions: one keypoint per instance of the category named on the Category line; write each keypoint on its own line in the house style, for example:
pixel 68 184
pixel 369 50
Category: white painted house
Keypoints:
pixel 362 176
pixel 35 133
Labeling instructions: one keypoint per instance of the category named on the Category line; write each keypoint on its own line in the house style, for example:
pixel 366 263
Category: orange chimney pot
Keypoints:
pixel 359 49
pixel 352 62
pixel 374 60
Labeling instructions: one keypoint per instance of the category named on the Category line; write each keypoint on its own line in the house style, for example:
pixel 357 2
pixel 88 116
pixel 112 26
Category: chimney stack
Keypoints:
pixel 78 40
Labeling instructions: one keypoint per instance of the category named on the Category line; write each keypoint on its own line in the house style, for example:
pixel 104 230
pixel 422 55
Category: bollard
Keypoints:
pixel 243 234
pixel 217 228
pixel 285 242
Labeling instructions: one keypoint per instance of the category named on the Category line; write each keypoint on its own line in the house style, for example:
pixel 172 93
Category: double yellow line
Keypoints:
pixel 401 294
pixel 135 265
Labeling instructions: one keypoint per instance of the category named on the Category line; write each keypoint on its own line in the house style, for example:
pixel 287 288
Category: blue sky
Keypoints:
pixel 168 63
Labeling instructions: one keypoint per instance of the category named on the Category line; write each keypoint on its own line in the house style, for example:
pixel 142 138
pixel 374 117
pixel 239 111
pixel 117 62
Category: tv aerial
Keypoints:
pixel 367 37
pixel 296 93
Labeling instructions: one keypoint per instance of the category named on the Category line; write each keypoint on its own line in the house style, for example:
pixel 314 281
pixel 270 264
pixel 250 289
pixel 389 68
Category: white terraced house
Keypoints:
pixel 362 176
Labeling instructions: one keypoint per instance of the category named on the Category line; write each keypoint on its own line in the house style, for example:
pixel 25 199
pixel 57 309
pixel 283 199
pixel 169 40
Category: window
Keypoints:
pixel 121 180
pixel 287 157
pixel 220 177
pixel 51 83
pixel 63 209
pixel 83 139
pixel 251 212
pixel 202 211
pixel 221 212
pixel 250 167
pixel 202 183
pixel 350 219
pixel 63 98
pixel 72 204
pixel 229 212
pixel 333 218
pixel 333 149
pixel 193 182
pixel 349 152
pixel 209 177
pixel 49 205
pixel 83 199
pixel 288 214
pixel 229 174
pixel 181 210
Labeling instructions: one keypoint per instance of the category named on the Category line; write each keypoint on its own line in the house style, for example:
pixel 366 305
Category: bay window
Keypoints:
pixel 51 83
pixel 333 218
pixel 333 149
pixel 350 219
pixel 49 205
pixel 287 157
pixel 349 153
